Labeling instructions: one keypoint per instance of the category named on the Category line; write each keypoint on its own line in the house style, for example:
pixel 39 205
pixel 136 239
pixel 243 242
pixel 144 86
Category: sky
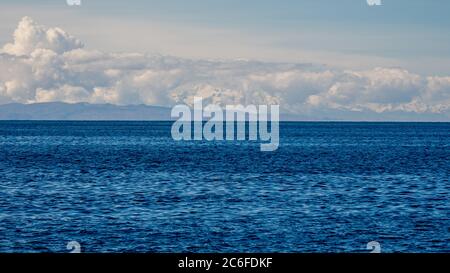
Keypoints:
pixel 312 57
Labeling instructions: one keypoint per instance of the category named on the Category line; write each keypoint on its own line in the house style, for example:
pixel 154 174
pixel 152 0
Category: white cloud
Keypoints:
pixel 30 36
pixel 67 93
pixel 46 64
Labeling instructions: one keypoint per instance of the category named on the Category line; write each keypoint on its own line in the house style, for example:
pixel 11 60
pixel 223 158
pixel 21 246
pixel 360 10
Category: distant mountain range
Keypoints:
pixel 86 111
pixel 81 111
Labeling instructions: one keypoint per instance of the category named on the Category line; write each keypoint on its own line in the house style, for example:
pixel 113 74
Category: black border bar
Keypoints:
pixel 260 262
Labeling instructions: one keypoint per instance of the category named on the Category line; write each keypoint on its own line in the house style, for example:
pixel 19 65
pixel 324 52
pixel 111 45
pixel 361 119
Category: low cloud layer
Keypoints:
pixel 47 64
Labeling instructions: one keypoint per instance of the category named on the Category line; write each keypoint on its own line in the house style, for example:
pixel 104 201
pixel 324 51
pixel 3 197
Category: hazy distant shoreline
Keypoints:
pixel 108 112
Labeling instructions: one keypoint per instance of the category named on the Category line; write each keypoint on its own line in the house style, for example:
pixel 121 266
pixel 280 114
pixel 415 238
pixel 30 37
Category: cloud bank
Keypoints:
pixel 47 64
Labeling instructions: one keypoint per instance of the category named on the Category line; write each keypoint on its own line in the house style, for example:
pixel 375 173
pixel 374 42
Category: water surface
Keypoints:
pixel 128 187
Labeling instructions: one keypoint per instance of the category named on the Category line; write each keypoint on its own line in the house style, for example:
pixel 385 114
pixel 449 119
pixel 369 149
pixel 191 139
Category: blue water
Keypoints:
pixel 128 187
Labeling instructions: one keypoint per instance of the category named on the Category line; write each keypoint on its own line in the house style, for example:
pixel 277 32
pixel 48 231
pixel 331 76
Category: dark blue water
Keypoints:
pixel 128 187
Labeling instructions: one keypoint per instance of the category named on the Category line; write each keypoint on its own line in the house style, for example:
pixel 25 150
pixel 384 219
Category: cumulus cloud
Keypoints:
pixel 47 64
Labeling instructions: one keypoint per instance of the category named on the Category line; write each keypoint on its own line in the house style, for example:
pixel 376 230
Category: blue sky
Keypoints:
pixel 315 58
pixel 413 34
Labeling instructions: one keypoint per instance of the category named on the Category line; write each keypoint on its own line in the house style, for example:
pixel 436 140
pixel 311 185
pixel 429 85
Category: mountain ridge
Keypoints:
pixel 140 112
pixel 81 111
